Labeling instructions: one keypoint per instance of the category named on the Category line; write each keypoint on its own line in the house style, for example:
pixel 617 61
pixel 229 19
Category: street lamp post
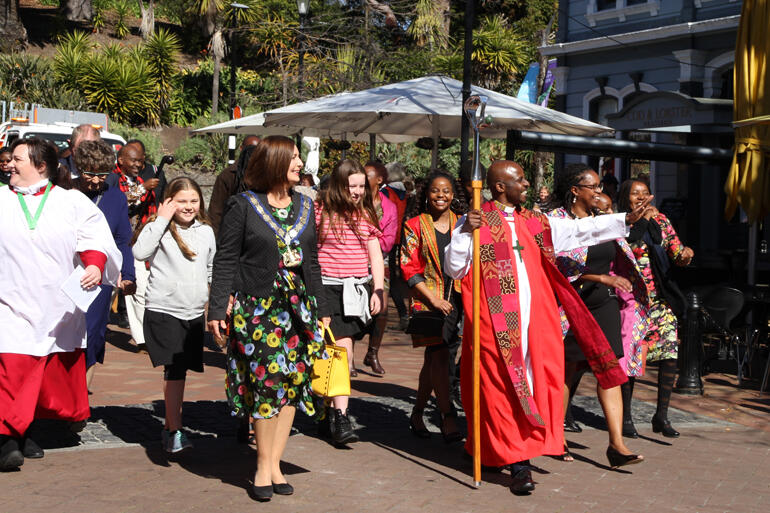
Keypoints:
pixel 303 7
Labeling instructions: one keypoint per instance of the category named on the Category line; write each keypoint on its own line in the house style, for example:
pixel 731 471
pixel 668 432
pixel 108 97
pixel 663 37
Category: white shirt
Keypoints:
pixel 36 317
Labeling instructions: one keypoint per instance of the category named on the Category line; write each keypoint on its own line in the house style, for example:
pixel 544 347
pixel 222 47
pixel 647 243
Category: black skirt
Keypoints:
pixel 174 341
pixel 607 316
pixel 601 301
pixel 344 326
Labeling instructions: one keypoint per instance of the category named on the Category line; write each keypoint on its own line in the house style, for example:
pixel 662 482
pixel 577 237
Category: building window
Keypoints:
pixel 598 110
pixel 600 107
pixel 599 10
pixel 728 83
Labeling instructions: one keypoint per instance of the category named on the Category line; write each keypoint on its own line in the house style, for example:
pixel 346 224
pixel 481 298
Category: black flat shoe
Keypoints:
pixel 283 489
pixel 620 460
pixel 572 427
pixel 263 493
pixel 30 449
pixel 664 427
pixel 419 432
pixel 522 483
pixel 629 430
pixel 10 456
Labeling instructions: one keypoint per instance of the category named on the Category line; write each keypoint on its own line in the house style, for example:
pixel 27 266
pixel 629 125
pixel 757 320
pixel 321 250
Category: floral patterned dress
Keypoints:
pixel 661 340
pixel 274 342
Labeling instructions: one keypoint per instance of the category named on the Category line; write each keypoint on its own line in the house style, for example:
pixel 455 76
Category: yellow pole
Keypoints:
pixel 476 185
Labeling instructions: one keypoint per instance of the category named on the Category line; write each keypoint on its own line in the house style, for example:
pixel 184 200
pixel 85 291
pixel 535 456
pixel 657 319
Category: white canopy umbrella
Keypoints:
pixel 255 125
pixel 423 107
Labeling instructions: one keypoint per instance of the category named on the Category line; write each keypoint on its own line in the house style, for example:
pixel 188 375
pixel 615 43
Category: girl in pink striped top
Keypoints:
pixel 352 269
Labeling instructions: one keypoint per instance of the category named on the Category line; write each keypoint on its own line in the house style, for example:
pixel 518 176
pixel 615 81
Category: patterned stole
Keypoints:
pixel 433 274
pixel 499 278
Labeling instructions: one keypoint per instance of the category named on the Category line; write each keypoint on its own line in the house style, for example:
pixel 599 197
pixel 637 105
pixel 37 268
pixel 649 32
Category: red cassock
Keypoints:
pixel 506 435
pixel 41 387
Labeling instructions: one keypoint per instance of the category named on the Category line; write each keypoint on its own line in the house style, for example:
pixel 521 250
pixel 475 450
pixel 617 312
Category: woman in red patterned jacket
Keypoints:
pixel 422 261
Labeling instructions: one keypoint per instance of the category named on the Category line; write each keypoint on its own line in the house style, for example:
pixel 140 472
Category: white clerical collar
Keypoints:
pixel 32 189
pixel 505 209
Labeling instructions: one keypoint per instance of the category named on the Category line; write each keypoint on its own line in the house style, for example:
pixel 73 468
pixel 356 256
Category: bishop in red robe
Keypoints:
pixel 521 349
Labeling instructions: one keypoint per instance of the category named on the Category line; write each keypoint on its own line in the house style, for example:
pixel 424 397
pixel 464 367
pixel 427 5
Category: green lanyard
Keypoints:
pixel 32 221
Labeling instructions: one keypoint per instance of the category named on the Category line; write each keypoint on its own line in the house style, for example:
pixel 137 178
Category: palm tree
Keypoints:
pixel 215 15
pixel 78 10
pixel 147 27
pixel 12 31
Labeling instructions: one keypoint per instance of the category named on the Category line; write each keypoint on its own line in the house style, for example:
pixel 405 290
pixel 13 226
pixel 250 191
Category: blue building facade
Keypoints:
pixel 657 71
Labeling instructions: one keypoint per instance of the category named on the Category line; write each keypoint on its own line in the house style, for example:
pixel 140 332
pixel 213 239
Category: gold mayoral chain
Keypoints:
pixel 292 257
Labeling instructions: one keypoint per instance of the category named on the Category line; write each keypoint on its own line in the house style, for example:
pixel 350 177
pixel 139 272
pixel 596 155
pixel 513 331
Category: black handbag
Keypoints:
pixel 429 322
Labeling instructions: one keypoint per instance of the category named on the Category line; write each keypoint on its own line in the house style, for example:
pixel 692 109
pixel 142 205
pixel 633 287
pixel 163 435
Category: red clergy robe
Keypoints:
pixel 507 436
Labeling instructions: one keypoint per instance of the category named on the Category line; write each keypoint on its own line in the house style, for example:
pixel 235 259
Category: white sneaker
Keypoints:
pixel 176 441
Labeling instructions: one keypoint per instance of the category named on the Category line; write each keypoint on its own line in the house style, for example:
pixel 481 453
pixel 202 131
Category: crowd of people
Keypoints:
pixel 277 262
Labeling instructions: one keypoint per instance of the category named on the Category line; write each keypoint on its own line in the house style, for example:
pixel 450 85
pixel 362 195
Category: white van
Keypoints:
pixel 55 125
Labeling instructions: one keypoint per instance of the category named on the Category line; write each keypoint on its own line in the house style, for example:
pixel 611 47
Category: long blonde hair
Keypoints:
pixel 180 183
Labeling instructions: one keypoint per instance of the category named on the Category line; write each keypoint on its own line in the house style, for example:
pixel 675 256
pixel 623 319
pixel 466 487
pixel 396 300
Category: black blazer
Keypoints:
pixel 247 255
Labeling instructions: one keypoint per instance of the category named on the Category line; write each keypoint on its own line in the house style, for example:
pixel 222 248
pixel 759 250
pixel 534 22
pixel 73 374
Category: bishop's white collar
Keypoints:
pixel 32 189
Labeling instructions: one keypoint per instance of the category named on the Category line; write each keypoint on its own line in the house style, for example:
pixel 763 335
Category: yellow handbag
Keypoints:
pixel 331 377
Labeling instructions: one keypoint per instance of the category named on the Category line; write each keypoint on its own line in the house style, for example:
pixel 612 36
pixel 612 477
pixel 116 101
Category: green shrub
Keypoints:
pixel 26 78
pixel 151 140
pixel 122 10
pixel 161 52
pixel 99 9
pixel 121 86
pixel 204 151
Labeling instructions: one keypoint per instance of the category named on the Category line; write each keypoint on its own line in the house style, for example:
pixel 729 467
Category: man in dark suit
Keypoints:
pixel 226 185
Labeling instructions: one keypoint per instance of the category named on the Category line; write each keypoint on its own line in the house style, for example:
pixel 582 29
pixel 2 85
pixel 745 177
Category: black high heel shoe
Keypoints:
pixel 664 427
pixel 620 460
pixel 419 432
pixel 629 430
pixel 454 436
pixel 263 493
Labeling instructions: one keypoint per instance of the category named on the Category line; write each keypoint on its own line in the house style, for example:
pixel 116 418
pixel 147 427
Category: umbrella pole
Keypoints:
pixel 372 146
pixel 474 108
pixel 434 149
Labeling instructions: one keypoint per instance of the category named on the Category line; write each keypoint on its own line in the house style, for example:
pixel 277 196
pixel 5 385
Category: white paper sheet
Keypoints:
pixel 80 296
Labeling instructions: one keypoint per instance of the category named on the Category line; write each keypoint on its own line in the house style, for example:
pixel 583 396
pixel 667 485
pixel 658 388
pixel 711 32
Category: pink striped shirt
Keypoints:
pixel 347 255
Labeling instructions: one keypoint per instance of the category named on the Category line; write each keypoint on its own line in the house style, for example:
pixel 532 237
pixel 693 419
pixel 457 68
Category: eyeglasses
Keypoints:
pixel 599 187
pixel 93 176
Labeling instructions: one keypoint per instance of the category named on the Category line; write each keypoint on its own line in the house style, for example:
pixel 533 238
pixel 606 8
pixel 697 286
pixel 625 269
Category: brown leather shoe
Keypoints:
pixel 372 360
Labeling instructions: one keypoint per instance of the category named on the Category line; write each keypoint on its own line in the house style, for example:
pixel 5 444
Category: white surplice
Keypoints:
pixel 566 234
pixel 36 316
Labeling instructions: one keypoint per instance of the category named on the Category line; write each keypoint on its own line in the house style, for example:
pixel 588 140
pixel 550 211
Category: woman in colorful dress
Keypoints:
pixel 656 246
pixel 599 273
pixel 352 270
pixel 266 281
pixel 422 263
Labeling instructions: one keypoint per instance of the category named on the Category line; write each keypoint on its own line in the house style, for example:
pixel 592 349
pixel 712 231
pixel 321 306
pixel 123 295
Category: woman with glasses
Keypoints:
pixel 96 160
pixel 599 273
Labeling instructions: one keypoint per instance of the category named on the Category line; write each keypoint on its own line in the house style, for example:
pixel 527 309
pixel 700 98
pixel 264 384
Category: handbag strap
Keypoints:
pixel 328 330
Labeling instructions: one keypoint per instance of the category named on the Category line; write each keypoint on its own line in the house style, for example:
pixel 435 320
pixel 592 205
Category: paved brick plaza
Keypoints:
pixel 721 462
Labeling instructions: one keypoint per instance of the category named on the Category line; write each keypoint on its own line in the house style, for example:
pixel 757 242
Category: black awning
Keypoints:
pixel 607 147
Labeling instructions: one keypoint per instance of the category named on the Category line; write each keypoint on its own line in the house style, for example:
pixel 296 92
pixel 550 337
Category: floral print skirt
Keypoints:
pixel 273 344
pixel 661 339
